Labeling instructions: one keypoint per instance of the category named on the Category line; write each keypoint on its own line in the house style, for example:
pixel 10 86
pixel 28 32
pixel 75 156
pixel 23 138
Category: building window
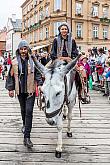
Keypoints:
pixel 56 25
pixel 24 12
pixel 95 11
pixel 79 30
pixel 79 47
pixel 32 20
pixel 24 24
pixel 30 37
pixel 35 36
pixel 41 35
pixel 105 12
pixel 41 15
pixel 57 5
pixel 35 2
pixel 40 1
pixel 28 22
pixel 105 32
pixel 36 18
pixel 46 11
pixel 28 8
pixel 105 49
pixel 95 31
pixel 78 8
pixel 47 32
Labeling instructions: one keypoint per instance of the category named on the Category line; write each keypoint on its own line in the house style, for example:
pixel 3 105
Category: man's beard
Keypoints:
pixel 24 55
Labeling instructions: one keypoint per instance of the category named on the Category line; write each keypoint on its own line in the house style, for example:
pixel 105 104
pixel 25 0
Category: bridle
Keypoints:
pixel 58 111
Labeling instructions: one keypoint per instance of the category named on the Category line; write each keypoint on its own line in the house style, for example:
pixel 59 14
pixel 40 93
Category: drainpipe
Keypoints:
pixel 71 16
pixel 66 10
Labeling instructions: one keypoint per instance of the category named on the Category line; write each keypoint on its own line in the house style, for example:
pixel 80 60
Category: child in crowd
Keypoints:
pixel 85 72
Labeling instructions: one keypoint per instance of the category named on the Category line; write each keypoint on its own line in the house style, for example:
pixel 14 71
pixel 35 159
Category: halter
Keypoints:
pixel 58 111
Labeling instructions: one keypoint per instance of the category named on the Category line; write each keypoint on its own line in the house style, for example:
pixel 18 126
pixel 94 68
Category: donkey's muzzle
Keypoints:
pixel 50 121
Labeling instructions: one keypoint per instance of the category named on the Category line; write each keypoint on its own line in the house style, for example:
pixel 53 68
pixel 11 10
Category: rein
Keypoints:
pixel 52 114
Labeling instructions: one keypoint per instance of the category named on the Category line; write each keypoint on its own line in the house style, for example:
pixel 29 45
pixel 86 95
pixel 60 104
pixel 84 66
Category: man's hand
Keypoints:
pixel 11 93
pixel 40 88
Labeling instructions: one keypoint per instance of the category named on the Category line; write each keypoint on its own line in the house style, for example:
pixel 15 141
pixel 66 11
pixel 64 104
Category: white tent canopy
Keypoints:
pixel 39 47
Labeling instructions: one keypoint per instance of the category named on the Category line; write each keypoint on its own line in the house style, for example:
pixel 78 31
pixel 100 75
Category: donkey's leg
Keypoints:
pixel 65 111
pixel 59 142
pixel 69 132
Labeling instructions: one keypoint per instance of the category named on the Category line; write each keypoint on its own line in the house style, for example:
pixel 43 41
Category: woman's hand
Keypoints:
pixel 11 93
pixel 67 59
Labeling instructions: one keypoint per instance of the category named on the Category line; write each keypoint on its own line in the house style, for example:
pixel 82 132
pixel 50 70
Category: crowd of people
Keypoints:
pixel 99 62
pixel 5 63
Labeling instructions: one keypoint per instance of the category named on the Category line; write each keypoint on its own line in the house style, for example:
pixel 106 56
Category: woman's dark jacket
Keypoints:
pixel 74 51
pixel 44 60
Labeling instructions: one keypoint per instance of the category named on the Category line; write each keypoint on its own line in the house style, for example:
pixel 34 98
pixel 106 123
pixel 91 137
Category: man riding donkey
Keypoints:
pixel 65 48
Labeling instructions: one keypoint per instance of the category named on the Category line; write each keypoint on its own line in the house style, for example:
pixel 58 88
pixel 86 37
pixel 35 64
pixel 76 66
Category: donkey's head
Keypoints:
pixel 54 88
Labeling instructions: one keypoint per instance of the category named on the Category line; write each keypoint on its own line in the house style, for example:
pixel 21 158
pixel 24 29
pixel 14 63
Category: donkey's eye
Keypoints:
pixel 58 93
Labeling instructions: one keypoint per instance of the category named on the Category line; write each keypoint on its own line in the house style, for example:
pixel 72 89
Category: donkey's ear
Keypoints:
pixel 38 65
pixel 71 65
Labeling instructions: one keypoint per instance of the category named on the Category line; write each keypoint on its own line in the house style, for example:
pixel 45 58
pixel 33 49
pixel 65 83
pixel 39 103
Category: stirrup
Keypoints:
pixel 85 101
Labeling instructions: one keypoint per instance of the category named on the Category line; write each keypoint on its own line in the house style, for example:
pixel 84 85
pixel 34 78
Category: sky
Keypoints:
pixel 9 7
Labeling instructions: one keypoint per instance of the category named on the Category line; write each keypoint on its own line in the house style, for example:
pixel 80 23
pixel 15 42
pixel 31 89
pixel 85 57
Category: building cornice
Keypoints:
pixel 24 3
pixel 96 3
pixel 105 5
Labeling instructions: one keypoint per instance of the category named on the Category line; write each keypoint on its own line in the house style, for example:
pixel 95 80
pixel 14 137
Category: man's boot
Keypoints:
pixel 28 143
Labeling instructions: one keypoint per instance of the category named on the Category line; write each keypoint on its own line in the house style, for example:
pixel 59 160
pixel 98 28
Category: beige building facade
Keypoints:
pixel 89 21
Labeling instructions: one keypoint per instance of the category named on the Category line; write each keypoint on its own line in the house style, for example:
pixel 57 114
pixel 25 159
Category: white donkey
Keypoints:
pixel 56 92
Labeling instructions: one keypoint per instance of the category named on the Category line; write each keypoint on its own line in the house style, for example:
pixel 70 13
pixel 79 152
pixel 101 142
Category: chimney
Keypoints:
pixel 14 17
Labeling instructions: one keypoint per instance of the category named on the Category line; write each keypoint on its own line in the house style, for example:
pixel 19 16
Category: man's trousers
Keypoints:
pixel 27 104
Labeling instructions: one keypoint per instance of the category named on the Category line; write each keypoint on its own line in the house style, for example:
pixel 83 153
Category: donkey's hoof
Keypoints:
pixel 69 134
pixel 58 154
pixel 64 117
